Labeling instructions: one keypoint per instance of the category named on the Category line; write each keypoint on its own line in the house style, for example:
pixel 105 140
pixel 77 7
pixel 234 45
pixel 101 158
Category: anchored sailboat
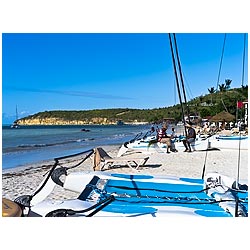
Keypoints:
pixel 15 123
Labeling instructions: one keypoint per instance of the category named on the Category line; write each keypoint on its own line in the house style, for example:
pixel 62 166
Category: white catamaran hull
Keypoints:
pixel 139 195
pixel 229 142
pixel 146 146
pixel 97 193
pixel 200 144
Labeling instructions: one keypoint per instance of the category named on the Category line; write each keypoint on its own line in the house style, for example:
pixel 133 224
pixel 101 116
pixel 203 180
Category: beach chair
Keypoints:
pixel 226 132
pixel 235 130
pixel 103 159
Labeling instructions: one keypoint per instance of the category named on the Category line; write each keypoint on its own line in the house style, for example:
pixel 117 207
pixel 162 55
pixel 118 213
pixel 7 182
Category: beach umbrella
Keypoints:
pixel 223 117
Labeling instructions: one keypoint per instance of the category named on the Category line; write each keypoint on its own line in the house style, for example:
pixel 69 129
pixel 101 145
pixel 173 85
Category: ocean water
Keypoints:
pixel 34 144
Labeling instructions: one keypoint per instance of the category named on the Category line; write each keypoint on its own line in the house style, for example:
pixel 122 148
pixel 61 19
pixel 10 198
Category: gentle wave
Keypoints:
pixel 25 147
pixel 42 145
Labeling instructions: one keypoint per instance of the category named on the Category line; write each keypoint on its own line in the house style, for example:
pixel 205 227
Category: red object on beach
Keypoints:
pixel 239 104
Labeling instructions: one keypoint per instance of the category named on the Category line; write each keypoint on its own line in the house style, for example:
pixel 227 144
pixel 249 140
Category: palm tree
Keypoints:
pixel 222 87
pixel 228 83
pixel 211 90
pixel 244 89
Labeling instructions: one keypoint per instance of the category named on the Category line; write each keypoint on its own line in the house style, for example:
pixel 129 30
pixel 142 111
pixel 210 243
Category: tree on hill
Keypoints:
pixel 211 90
pixel 228 83
pixel 244 90
pixel 222 87
pixel 225 86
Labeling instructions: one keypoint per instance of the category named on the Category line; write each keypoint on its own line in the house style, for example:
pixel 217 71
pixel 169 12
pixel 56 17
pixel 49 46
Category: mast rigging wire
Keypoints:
pixel 218 79
pixel 243 63
pixel 243 71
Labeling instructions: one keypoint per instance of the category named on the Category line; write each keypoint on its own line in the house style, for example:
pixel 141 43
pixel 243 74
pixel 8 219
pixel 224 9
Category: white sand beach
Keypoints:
pixel 26 180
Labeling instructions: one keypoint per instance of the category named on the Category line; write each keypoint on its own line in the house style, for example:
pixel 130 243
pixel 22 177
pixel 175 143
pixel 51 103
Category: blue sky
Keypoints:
pixel 83 71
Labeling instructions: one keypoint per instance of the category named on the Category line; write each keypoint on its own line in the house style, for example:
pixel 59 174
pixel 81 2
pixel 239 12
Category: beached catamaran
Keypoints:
pixel 147 143
pixel 103 194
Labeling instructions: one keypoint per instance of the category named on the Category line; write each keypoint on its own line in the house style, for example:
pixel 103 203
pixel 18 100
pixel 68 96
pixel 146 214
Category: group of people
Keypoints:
pixel 213 127
pixel 163 137
pixel 169 140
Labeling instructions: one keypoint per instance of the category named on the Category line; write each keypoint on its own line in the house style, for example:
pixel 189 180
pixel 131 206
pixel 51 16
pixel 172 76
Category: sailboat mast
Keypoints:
pixel 16 114
pixel 177 81
pixel 180 73
pixel 15 123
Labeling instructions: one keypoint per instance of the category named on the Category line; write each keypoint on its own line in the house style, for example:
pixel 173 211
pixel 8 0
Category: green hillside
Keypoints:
pixel 207 105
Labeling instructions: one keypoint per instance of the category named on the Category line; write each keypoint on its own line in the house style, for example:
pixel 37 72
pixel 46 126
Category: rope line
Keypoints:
pixel 158 190
pixel 176 200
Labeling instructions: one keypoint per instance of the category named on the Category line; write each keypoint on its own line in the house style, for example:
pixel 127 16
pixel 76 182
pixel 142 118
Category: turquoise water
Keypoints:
pixel 32 144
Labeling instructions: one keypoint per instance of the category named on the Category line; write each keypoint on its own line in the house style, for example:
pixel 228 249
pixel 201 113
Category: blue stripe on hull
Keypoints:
pixel 198 181
pixel 130 176
pixel 148 197
pixel 208 210
pixel 139 186
pixel 232 138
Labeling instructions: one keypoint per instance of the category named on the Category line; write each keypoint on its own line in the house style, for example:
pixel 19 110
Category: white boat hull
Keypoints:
pixel 201 144
pixel 229 142
pixel 145 146
pixel 138 195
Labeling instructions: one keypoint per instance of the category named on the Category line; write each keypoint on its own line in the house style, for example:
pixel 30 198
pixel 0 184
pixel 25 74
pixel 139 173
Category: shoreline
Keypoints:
pixel 50 162
pixel 25 180
pixel 79 124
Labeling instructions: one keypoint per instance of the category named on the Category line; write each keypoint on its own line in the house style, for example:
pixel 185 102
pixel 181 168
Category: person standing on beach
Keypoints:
pixel 173 138
pixel 163 137
pixel 191 136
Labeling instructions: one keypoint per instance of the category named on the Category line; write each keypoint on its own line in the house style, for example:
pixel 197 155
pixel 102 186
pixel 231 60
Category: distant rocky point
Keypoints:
pixel 62 121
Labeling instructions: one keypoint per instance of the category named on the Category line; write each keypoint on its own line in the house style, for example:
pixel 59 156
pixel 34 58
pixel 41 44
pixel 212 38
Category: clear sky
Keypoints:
pixel 84 71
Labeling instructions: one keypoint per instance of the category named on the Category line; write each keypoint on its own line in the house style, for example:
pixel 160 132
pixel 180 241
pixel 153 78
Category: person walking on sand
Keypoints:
pixel 191 136
pixel 163 137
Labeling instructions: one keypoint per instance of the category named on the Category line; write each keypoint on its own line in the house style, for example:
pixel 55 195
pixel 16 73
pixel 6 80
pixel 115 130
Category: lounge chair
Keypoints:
pixel 102 159
pixel 226 132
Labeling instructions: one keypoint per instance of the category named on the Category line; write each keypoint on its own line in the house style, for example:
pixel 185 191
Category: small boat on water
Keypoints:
pixel 119 123
pixel 85 130
pixel 103 194
pixel 15 123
